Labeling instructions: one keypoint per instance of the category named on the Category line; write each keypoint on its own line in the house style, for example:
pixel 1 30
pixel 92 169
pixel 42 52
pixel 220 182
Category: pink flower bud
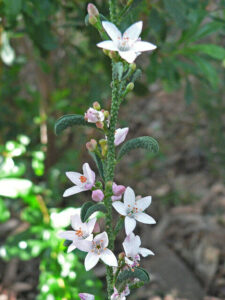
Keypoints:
pixel 96 105
pixel 96 228
pixel 97 195
pixel 99 124
pixel 118 191
pixel 91 145
pixel 92 20
pixel 92 10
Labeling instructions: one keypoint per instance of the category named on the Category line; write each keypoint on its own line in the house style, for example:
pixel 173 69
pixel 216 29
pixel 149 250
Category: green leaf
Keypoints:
pixel 213 51
pixel 89 208
pixel 69 121
pixel 188 94
pixel 145 142
pixel 137 75
pixel 207 29
pixel 206 70
pixel 98 163
pixel 139 273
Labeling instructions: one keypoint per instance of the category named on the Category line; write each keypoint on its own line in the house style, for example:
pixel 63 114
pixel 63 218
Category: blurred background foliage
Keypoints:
pixel 50 66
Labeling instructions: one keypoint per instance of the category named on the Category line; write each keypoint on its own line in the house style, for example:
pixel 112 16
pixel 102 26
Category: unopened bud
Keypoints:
pixel 92 20
pixel 112 54
pixel 99 124
pixel 106 114
pixel 92 10
pixel 121 255
pixel 96 228
pixel 109 185
pixel 91 145
pixel 106 52
pixel 102 142
pixel 96 105
pixel 97 195
pixel 133 66
pixel 130 87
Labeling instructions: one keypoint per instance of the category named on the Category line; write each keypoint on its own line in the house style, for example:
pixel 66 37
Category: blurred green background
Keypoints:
pixel 50 66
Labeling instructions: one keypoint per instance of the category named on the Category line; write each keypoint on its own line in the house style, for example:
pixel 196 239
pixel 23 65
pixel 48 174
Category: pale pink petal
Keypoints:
pixel 84 245
pixel 72 191
pixel 76 222
pixel 112 30
pixel 129 56
pixel 120 208
pixel 91 225
pixel 134 31
pixel 145 252
pixel 91 260
pixel 102 237
pixel 141 46
pixel 143 203
pixel 71 247
pixel 129 197
pixel 108 45
pixel 74 177
pixel 120 135
pixel 85 296
pixel 116 198
pixel 68 235
pixel 144 218
pixel 88 173
pixel 109 258
pixel 130 224
pixel 118 190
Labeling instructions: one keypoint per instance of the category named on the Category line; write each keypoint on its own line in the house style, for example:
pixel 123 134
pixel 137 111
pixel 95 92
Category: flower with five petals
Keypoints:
pixel 128 45
pixel 133 209
pixel 98 250
pixel 83 182
pixel 81 235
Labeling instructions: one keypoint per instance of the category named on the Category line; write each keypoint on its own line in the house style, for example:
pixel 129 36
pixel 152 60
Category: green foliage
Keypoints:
pixel 98 163
pixel 136 273
pixel 144 142
pixel 69 121
pixel 4 212
pixel 88 208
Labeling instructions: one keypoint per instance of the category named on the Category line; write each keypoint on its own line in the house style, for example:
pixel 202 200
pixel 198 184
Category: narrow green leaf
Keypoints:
pixel 207 29
pixel 177 11
pixel 70 120
pixel 139 273
pixel 145 142
pixel 89 208
pixel 98 163
pixel 213 51
pixel 137 75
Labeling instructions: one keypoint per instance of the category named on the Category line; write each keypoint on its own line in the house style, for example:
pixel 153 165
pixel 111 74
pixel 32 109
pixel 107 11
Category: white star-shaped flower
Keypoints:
pixel 83 182
pixel 133 250
pixel 129 44
pixel 81 236
pixel 133 209
pixel 98 250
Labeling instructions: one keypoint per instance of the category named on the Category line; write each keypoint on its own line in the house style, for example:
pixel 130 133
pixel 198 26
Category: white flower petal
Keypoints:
pixel 108 45
pixel 144 218
pixel 73 190
pixel 109 258
pixel 71 248
pixel 129 197
pixel 88 173
pixel 74 177
pixel 129 261
pixel 131 245
pixel 129 56
pixel 134 31
pixel 76 222
pixel 67 235
pixel 112 30
pixel 91 225
pixel 143 203
pixel 120 135
pixel 84 245
pixel 145 252
pixel 91 260
pixel 130 224
pixel 102 237
pixel 141 46
pixel 120 207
